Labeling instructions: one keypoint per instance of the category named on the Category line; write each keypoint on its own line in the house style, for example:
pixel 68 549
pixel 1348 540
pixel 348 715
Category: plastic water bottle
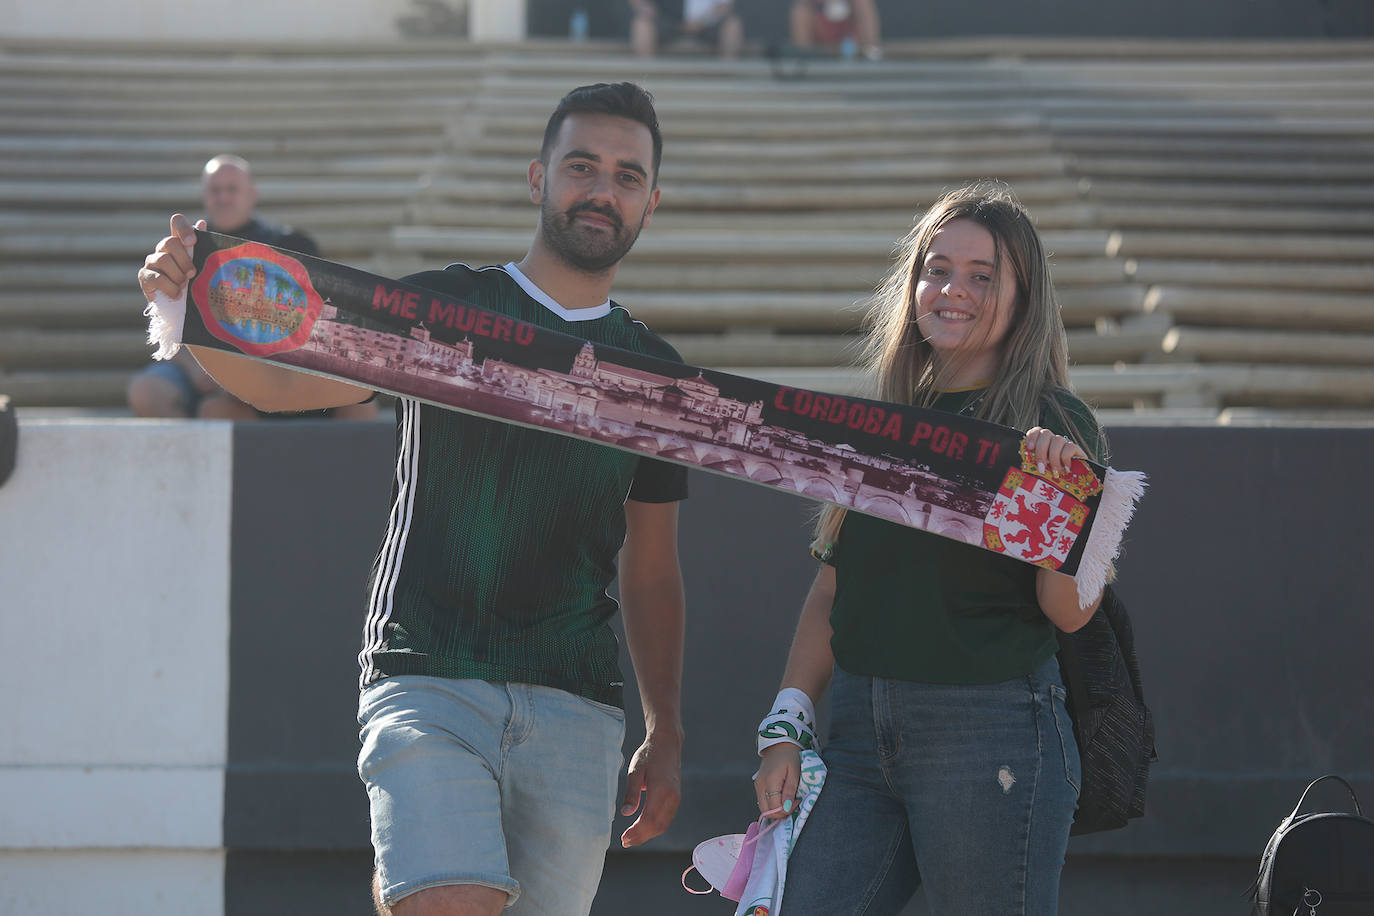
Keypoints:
pixel 578 25
pixel 848 47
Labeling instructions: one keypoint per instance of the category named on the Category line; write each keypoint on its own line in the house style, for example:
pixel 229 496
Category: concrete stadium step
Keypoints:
pixel 844 276
pixel 416 80
pixel 1331 194
pixel 1013 118
pixel 36 155
pixel 133 247
pixel 208 65
pixel 153 224
pixel 1287 346
pixel 1241 245
pixel 66 387
pixel 1142 215
pixel 727 198
pixel 87 276
pixel 721 245
pixel 1262 307
pixel 130 92
pixel 1212 125
pixel 287 123
pixel 1244 95
pixel 266 106
pixel 173 193
pixel 1129 339
pixel 740 150
pixel 74 310
pixel 1183 81
pixel 1355 110
pixel 1302 276
pixel 28 348
pixel 1158 91
pixel 894 217
pixel 173 140
pixel 1102 167
pixel 1230 385
pixel 144 168
pixel 773 196
pixel 676 101
pixel 1239 149
pixel 856 171
pixel 685 113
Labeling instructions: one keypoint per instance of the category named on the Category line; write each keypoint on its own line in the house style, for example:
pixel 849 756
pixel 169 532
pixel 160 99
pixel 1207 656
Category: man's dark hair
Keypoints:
pixel 623 100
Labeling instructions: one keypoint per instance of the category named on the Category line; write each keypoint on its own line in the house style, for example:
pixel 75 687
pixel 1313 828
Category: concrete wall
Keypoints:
pixel 249 20
pixel 201 730
pixel 245 20
pixel 114 545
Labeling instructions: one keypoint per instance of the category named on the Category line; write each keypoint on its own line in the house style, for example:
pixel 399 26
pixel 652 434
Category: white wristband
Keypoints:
pixel 793 721
pixel 794 700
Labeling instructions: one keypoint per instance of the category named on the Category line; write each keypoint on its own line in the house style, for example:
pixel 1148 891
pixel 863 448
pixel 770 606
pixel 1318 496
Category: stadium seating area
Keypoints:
pixel 1209 206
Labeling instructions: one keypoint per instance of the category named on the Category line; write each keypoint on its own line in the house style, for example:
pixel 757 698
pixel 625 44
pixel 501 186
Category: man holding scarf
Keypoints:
pixel 491 697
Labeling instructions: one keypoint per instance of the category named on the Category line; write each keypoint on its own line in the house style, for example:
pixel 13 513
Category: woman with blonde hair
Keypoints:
pixel 951 757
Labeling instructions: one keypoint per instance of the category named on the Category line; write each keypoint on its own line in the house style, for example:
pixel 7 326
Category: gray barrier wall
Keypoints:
pixel 1241 570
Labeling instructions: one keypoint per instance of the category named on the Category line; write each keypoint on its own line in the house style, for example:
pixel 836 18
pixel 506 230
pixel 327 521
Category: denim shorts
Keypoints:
pixel 509 786
pixel 173 374
pixel 966 789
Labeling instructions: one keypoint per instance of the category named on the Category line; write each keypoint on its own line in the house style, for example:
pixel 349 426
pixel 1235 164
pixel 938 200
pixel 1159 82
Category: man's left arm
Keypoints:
pixel 654 610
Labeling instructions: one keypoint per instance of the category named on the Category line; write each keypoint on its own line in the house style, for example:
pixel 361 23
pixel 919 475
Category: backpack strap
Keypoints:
pixel 1338 779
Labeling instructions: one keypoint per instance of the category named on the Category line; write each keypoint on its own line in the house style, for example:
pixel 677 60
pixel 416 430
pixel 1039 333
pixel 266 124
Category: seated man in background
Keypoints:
pixel 710 21
pixel 830 22
pixel 179 387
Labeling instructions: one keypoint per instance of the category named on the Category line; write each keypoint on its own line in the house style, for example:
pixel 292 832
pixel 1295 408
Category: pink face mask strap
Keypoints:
pixel 692 890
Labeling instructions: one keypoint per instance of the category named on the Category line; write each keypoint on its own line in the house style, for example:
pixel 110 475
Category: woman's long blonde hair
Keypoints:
pixel 899 364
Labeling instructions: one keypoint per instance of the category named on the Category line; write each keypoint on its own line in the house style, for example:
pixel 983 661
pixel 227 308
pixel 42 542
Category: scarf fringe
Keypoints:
pixel 1120 492
pixel 166 319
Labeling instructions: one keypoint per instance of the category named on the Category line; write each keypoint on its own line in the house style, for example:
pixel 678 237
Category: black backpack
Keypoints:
pixel 1318 863
pixel 1114 728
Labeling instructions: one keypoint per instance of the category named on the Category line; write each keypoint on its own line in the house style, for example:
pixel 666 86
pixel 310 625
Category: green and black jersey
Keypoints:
pixel 915 606
pixel 502 540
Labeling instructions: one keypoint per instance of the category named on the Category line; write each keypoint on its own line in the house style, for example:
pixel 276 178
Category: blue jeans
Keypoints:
pixel 968 790
pixel 510 786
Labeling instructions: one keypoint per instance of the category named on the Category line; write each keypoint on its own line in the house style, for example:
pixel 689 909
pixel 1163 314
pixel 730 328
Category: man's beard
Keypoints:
pixel 589 251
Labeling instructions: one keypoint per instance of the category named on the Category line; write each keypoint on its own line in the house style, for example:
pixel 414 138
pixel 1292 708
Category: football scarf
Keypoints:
pixel 953 476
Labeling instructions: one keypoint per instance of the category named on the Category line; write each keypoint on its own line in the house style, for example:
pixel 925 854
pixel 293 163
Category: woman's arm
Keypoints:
pixel 810 661
pixel 809 664
pixel 1057 593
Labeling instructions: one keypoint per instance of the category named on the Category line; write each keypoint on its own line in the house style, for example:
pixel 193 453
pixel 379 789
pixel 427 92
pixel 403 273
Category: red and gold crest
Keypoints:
pixel 1037 516
pixel 256 299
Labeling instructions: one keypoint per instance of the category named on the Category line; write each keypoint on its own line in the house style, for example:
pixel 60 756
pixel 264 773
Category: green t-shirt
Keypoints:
pixel 915 606
pixel 502 540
